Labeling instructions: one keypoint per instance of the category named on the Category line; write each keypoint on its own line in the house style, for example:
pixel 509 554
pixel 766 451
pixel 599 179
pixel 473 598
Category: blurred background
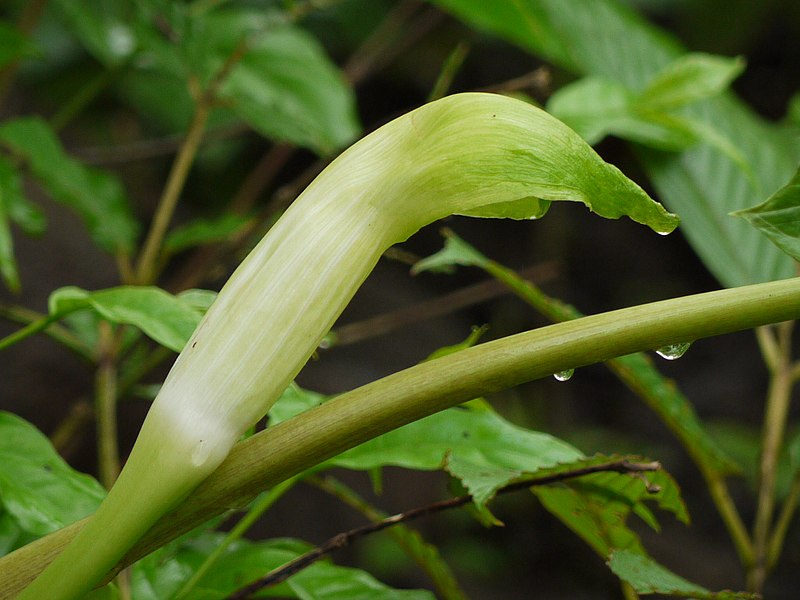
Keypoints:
pixel 393 52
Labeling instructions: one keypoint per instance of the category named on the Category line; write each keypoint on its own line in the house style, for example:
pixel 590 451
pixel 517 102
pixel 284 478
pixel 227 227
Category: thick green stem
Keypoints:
pixel 293 446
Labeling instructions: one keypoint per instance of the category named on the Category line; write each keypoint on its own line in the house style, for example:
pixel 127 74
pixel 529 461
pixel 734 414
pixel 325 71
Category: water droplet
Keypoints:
pixel 564 375
pixel 673 351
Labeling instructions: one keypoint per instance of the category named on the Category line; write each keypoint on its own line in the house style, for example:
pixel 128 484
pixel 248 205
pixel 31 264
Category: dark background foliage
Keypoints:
pixel 592 263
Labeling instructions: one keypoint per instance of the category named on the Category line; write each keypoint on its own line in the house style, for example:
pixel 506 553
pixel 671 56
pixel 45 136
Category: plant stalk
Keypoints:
pixel 106 407
pixel 289 448
pixel 775 420
pixel 148 259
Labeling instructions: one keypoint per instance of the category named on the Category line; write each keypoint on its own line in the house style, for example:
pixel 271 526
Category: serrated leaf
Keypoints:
pixel 95 195
pixel 648 577
pixel 163 317
pixel 778 217
pixel 691 77
pixel 203 231
pixel 472 434
pixel 603 38
pixel 596 507
pixel 37 488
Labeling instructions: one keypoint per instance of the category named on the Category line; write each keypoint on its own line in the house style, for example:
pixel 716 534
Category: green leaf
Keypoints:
pixel 285 86
pixel 648 577
pixel 692 77
pixel 471 436
pixel 455 252
pixel 596 507
pixel 95 195
pixel 481 437
pixel 14 45
pixel 37 488
pixel 161 574
pixel 165 318
pixel 199 300
pixel 778 217
pixel 203 231
pixel 596 107
pixel 606 39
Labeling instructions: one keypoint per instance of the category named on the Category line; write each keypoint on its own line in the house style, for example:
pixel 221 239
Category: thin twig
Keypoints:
pixel 410 540
pixel 353 333
pixel 345 539
pixel 775 420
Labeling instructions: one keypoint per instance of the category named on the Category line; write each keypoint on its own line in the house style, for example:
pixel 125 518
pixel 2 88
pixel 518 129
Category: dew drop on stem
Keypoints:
pixel 564 375
pixel 673 351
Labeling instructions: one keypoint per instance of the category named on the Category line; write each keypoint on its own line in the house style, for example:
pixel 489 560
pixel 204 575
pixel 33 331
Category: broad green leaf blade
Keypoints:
pixel 593 107
pixel 583 36
pixel 472 435
pixel 596 107
pixel 779 217
pixel 203 231
pixel 37 488
pixel 199 300
pixel 165 318
pixel 635 370
pixel 605 39
pixel 285 86
pixel 648 577
pixel 161 574
pixel 95 195
pixel 690 78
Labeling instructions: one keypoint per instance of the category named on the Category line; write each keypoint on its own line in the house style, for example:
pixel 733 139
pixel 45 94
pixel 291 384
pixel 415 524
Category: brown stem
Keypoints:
pixel 353 333
pixel 147 266
pixel 106 407
pixel 775 420
pixel 344 539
